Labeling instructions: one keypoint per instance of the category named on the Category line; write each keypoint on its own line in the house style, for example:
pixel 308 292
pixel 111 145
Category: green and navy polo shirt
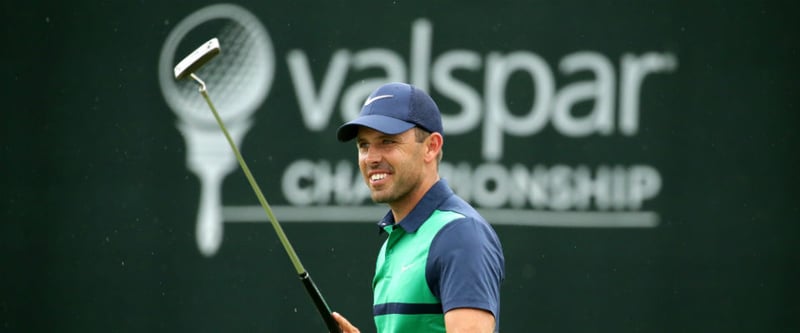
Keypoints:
pixel 440 257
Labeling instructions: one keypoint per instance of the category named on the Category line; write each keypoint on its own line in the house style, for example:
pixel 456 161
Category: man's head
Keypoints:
pixel 399 140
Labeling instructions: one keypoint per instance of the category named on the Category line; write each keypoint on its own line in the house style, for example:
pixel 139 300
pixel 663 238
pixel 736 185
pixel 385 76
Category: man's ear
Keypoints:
pixel 433 144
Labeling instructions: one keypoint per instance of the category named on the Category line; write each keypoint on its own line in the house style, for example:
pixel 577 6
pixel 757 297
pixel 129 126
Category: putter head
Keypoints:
pixel 197 59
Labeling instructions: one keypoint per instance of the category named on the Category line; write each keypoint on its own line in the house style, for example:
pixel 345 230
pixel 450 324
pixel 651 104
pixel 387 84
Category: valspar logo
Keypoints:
pixel 319 189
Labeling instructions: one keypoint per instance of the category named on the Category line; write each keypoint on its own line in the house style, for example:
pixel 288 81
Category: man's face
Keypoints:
pixel 392 165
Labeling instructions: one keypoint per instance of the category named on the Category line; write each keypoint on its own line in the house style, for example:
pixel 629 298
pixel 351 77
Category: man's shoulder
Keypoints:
pixel 458 205
pixel 469 228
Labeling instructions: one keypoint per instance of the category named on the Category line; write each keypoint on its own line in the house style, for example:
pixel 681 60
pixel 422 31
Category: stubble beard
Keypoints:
pixel 394 192
pixel 387 195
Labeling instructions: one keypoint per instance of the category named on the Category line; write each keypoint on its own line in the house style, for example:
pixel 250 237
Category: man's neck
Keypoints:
pixel 402 208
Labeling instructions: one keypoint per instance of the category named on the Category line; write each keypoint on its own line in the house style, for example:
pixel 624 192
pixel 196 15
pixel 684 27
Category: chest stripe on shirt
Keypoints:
pixel 406 308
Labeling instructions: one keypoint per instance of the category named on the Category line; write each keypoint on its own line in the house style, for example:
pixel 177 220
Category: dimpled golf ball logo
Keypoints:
pixel 240 78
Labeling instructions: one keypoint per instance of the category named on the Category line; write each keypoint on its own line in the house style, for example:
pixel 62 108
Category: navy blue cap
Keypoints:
pixel 392 109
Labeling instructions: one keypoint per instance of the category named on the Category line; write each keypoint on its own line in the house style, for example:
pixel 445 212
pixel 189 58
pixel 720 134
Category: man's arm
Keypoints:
pixel 467 320
pixel 465 269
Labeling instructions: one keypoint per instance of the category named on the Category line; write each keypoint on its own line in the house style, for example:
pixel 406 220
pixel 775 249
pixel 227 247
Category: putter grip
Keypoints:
pixel 319 302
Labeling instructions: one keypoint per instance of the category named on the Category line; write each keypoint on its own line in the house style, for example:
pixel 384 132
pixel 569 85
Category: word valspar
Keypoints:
pixel 490 185
pixel 612 89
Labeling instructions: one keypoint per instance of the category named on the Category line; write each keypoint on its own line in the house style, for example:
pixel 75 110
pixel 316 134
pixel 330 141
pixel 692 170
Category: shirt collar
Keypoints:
pixel 432 199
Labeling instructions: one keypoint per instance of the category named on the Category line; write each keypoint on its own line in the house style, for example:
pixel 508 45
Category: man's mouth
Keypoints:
pixel 377 177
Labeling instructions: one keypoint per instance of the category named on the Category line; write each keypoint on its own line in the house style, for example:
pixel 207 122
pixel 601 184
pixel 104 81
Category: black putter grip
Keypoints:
pixel 319 302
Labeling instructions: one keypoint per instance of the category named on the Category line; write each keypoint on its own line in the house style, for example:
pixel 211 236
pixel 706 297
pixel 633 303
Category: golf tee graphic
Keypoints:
pixel 240 77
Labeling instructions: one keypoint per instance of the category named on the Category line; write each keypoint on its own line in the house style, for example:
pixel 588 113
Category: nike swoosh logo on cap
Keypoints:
pixel 372 99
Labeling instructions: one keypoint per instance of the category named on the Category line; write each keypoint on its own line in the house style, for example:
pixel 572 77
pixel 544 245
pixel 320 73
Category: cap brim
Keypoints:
pixel 383 124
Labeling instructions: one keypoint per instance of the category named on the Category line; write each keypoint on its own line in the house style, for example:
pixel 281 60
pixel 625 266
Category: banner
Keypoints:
pixel 636 160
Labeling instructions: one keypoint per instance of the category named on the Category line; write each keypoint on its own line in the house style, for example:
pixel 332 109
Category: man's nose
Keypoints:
pixel 372 155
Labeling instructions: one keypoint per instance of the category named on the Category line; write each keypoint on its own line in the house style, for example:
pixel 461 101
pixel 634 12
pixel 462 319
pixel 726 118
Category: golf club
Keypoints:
pixel 187 67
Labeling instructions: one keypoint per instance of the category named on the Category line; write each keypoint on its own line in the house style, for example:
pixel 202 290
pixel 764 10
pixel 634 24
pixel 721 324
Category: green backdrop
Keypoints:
pixel 637 160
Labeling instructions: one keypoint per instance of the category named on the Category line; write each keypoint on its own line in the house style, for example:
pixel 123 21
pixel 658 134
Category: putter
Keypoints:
pixel 187 67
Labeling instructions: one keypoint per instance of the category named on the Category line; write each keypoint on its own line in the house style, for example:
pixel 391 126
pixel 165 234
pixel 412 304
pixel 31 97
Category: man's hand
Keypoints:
pixel 345 325
pixel 466 320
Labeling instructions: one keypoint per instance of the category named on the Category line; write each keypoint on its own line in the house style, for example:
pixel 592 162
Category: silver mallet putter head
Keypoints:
pixel 197 59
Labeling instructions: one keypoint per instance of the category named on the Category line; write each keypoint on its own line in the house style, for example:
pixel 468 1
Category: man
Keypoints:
pixel 441 266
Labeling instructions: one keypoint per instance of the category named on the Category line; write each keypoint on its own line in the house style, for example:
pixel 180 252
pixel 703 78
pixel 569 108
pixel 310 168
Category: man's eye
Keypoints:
pixel 387 141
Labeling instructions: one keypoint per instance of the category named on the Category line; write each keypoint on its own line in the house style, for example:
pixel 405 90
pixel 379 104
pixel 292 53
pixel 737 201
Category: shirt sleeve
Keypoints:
pixel 466 266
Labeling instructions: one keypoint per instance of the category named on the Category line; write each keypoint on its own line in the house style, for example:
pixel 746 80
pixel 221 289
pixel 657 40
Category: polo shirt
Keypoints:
pixel 440 257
